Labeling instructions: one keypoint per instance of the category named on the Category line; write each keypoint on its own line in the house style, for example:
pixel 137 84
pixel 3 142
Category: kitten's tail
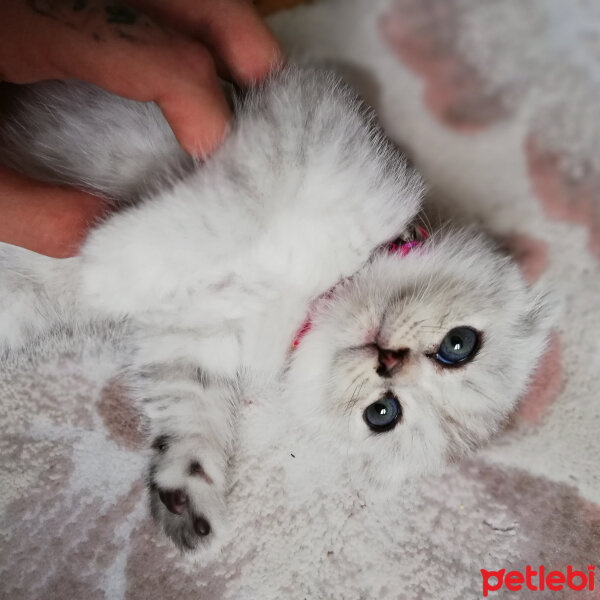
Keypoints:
pixel 76 133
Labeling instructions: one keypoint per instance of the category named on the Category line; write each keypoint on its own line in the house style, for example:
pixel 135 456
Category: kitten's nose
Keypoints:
pixel 390 360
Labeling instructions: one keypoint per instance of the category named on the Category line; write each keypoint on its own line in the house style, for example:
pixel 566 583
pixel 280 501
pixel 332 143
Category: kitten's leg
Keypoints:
pixel 191 414
pixel 191 418
pixel 36 292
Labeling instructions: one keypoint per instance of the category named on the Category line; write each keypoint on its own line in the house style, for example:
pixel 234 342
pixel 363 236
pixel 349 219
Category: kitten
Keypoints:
pixel 411 359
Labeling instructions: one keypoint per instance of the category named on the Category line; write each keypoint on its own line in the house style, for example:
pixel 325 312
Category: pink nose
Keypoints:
pixel 390 359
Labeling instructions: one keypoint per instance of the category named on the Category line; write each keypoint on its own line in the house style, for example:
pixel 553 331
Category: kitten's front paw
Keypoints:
pixel 186 499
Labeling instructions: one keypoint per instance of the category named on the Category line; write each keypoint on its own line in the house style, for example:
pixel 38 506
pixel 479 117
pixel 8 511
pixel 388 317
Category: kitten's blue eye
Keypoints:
pixel 383 414
pixel 459 345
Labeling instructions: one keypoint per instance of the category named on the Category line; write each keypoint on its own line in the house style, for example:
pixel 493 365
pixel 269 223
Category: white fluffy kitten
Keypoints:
pixel 410 361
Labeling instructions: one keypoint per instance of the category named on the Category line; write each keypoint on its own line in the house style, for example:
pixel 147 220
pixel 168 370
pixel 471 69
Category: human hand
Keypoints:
pixel 174 64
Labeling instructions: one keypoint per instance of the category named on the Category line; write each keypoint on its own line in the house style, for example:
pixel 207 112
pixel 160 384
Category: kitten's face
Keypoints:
pixel 418 359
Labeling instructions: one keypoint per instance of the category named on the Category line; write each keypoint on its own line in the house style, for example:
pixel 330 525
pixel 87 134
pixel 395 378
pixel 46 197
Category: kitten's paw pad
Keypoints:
pixel 192 518
pixel 187 529
pixel 184 499
pixel 174 500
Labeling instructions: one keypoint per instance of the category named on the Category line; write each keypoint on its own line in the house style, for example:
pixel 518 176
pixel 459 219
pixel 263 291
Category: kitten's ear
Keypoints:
pixel 544 312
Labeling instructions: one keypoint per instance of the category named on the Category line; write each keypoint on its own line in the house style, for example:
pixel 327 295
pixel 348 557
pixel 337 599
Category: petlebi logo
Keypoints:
pixel 538 580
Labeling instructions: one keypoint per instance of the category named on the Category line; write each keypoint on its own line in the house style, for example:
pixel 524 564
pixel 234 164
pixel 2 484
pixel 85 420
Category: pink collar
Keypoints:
pixel 398 246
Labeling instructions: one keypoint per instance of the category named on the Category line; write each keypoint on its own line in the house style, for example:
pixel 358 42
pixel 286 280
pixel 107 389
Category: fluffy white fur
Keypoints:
pixel 215 267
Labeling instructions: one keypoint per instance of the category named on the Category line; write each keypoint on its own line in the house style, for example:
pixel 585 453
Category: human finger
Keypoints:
pixel 231 28
pixel 48 219
pixel 124 52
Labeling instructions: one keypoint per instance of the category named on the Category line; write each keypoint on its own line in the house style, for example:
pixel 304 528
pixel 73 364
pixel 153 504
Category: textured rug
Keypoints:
pixel 496 101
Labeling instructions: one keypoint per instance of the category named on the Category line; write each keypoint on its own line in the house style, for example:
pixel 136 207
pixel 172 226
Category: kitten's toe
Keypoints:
pixel 190 524
pixel 174 500
pixel 186 502
pixel 201 526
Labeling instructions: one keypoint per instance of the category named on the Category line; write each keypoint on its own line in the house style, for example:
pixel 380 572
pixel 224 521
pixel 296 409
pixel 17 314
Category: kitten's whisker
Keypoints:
pixel 472 385
pixel 351 383
pixel 355 396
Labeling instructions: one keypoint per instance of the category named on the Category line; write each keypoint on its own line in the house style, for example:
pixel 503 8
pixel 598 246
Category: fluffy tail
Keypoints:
pixel 76 133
